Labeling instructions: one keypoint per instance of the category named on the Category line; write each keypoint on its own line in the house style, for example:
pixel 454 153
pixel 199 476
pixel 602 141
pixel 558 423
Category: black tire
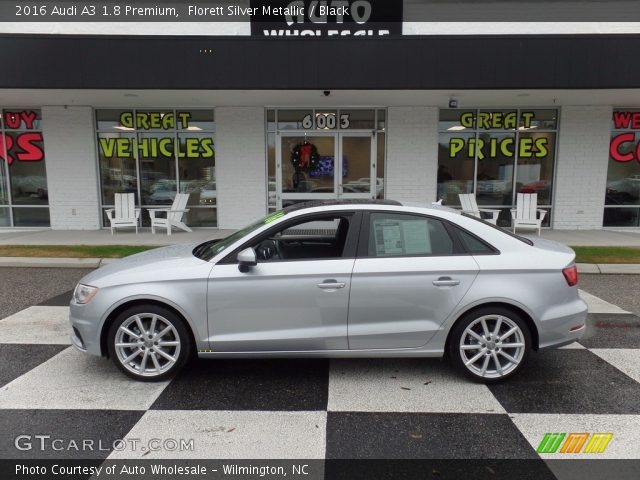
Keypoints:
pixel 456 353
pixel 164 317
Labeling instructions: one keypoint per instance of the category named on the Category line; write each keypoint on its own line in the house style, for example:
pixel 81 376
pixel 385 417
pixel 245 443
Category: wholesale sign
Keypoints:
pixel 21 146
pixel 326 18
pixel 155 144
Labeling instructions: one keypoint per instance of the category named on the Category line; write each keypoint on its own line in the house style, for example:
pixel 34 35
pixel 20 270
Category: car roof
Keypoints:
pixel 314 206
pixel 328 203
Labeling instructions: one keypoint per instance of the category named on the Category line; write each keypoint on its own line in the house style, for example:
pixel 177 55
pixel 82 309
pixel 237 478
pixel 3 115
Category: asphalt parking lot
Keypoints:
pixel 315 409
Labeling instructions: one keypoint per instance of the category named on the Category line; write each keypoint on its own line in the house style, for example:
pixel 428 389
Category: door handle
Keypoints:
pixel 331 285
pixel 446 282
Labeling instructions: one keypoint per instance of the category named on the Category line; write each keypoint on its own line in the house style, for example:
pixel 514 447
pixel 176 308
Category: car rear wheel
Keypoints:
pixel 149 343
pixel 490 344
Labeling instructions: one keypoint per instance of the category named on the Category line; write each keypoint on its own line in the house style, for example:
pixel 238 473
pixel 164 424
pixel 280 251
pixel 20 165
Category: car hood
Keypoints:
pixel 154 265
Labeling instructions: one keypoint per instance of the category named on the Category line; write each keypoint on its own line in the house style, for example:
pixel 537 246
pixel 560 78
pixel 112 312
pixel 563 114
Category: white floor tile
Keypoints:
pixel 37 325
pixel 231 434
pixel 75 380
pixel 407 385
pixel 627 360
pixel 625 430
pixel 597 305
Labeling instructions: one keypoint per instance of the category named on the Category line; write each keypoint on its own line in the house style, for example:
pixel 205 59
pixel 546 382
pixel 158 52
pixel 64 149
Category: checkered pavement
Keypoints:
pixel 317 409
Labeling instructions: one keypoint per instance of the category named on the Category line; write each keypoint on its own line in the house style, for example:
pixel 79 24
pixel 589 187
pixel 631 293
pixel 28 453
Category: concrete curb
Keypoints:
pixel 61 262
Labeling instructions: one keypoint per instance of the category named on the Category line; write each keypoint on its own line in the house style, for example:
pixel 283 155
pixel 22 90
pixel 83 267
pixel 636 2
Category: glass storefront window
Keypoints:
pixel 348 147
pixel 23 176
pixel 156 153
pixel 496 153
pixel 622 195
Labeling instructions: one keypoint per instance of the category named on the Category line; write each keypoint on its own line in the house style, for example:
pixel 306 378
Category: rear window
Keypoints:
pixel 503 230
pixel 474 245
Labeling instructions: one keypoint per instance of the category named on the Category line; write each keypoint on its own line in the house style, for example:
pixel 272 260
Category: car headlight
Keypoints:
pixel 84 293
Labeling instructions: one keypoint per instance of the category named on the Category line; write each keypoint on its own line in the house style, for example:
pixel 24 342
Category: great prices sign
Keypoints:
pixel 624 147
pixel 495 147
pixel 22 145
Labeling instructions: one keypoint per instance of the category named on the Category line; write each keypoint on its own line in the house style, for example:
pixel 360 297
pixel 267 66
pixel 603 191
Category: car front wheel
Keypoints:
pixel 490 344
pixel 149 343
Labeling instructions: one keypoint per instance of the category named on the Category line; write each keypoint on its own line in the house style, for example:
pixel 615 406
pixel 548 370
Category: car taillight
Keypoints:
pixel 571 275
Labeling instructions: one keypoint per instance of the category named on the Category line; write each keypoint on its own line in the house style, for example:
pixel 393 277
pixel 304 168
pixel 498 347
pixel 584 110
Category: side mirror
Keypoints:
pixel 246 259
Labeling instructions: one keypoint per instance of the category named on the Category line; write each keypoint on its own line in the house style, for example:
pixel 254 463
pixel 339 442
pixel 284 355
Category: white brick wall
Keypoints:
pixel 72 175
pixel 581 167
pixel 412 154
pixel 240 165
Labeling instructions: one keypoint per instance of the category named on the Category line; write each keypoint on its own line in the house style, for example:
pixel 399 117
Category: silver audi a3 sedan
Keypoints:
pixel 339 279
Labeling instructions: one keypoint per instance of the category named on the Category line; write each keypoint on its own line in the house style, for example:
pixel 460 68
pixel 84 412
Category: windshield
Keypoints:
pixel 207 250
pixel 503 230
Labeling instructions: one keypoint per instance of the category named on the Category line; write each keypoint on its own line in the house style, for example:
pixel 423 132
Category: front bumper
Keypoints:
pixel 85 324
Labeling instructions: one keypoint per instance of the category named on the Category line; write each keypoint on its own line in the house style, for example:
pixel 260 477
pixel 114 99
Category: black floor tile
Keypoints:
pixel 61 300
pixel 18 359
pixel 369 435
pixel 569 381
pixel 101 427
pixel 612 331
pixel 248 385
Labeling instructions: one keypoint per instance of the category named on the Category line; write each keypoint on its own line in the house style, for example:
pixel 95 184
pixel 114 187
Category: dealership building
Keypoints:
pixel 247 124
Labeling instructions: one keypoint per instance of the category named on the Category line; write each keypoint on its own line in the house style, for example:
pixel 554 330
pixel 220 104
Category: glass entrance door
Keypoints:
pixel 342 167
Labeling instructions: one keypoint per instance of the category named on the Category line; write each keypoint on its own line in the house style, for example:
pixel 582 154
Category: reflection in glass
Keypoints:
pixel 621 217
pixel 31 217
pixel 271 170
pixel 117 166
pixel 455 167
pixel 28 177
pixel 494 178
pixel 623 178
pixel 292 119
pixel 157 168
pixel 535 165
pixel 5 219
pixel 380 164
pixel 197 168
pixel 319 180
pixel 357 119
pixel 356 169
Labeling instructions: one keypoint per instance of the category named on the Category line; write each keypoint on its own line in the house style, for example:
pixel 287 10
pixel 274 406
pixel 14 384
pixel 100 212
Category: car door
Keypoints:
pixel 296 298
pixel 408 277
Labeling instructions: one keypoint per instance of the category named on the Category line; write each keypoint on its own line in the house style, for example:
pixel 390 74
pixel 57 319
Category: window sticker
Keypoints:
pixel 416 237
pixel 401 237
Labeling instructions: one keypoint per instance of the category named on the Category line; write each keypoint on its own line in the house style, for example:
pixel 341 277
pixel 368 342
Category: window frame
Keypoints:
pixel 349 252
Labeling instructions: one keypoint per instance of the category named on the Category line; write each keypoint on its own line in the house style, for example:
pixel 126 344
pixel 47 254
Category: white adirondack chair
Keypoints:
pixel 527 214
pixel 470 206
pixel 174 215
pixel 126 213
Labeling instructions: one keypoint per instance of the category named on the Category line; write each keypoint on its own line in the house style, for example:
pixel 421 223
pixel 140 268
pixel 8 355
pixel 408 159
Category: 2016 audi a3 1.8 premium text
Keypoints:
pixel 336 279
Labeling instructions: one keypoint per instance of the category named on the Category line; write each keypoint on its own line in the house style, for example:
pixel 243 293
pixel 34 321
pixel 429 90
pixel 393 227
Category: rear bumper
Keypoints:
pixel 566 325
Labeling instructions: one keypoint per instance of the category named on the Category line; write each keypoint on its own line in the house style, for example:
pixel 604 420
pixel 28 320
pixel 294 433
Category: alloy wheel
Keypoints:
pixel 492 346
pixel 147 344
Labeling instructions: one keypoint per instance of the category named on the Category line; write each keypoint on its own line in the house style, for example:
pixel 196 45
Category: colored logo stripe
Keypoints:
pixel 598 442
pixel 574 442
pixel 550 443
